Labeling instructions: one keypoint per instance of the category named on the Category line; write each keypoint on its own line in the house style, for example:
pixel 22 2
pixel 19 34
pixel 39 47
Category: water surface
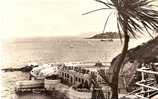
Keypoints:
pixel 15 53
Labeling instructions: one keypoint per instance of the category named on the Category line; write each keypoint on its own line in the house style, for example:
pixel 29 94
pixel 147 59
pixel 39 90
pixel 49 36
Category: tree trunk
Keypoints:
pixel 117 68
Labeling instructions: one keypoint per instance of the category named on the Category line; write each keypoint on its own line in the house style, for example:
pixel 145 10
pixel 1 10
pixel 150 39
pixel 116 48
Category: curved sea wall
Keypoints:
pixel 28 84
pixel 145 53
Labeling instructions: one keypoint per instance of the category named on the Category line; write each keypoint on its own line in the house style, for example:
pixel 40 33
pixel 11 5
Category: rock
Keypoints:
pixel 23 69
pixel 145 53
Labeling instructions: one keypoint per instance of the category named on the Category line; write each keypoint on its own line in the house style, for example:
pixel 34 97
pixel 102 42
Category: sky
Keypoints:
pixel 32 18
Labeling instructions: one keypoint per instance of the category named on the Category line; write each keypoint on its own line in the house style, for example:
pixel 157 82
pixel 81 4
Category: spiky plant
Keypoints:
pixel 133 17
pixel 97 92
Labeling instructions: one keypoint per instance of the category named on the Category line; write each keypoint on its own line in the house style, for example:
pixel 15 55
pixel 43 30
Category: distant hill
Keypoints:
pixel 107 35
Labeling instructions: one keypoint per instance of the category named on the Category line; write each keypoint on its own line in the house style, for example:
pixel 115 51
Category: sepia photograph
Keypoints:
pixel 78 49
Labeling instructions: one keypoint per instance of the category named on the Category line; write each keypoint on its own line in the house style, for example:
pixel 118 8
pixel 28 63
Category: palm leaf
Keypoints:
pixel 106 22
pixel 109 5
pixel 95 10
pixel 137 15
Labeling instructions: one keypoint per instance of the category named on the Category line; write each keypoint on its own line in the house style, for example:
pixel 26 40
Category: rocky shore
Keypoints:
pixel 144 53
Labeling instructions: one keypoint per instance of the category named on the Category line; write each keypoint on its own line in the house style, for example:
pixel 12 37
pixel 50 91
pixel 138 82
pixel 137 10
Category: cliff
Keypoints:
pixel 145 53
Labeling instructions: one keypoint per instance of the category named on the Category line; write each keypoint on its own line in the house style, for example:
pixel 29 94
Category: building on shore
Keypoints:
pixel 58 76
pixel 78 74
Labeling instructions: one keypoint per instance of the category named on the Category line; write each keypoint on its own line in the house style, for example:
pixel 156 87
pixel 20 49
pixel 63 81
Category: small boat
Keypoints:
pixel 102 40
pixel 111 40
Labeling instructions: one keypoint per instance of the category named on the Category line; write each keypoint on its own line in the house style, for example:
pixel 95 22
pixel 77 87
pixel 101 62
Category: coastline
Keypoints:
pixel 93 47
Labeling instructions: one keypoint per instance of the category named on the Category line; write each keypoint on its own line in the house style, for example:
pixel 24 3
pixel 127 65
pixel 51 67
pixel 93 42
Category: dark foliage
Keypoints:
pixel 133 17
pixel 141 15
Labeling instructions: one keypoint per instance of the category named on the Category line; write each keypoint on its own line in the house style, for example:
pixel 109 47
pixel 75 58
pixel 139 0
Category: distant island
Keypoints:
pixel 107 35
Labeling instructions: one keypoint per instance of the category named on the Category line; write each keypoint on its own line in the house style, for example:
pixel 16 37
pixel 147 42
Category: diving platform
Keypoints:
pixel 148 86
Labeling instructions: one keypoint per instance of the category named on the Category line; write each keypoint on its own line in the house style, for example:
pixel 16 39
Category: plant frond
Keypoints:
pixel 136 12
pixel 109 5
pixel 140 15
pixel 106 22
pixel 96 10
pixel 145 26
pixel 104 76
pixel 119 30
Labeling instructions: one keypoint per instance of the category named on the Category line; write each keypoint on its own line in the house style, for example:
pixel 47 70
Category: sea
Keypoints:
pixel 41 50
